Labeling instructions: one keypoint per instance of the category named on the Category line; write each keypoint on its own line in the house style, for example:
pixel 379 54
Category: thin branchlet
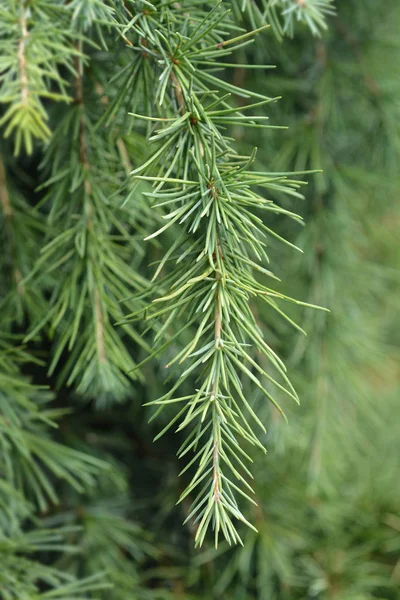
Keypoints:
pixel 91 252
pixel 285 15
pixel 4 195
pixel 8 216
pixel 83 157
pixel 21 55
pixel 212 199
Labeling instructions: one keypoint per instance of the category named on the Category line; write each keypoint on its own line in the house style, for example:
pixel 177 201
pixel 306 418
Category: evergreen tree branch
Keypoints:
pixel 209 193
pixel 90 253
pixel 285 15
pixel 35 42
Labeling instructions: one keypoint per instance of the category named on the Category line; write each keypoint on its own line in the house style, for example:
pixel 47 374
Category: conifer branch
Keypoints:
pixel 35 39
pixel 209 193
pixel 285 15
pixel 90 254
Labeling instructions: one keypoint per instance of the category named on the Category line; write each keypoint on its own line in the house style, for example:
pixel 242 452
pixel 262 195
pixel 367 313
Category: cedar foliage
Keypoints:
pixel 141 230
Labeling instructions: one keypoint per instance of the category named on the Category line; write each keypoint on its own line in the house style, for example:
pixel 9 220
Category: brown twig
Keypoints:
pixel 9 214
pixel 217 337
pixel 99 328
pixel 83 150
pixel 216 473
pixel 120 142
pixel 84 160
pixel 4 196
pixel 178 92
pixel 22 58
